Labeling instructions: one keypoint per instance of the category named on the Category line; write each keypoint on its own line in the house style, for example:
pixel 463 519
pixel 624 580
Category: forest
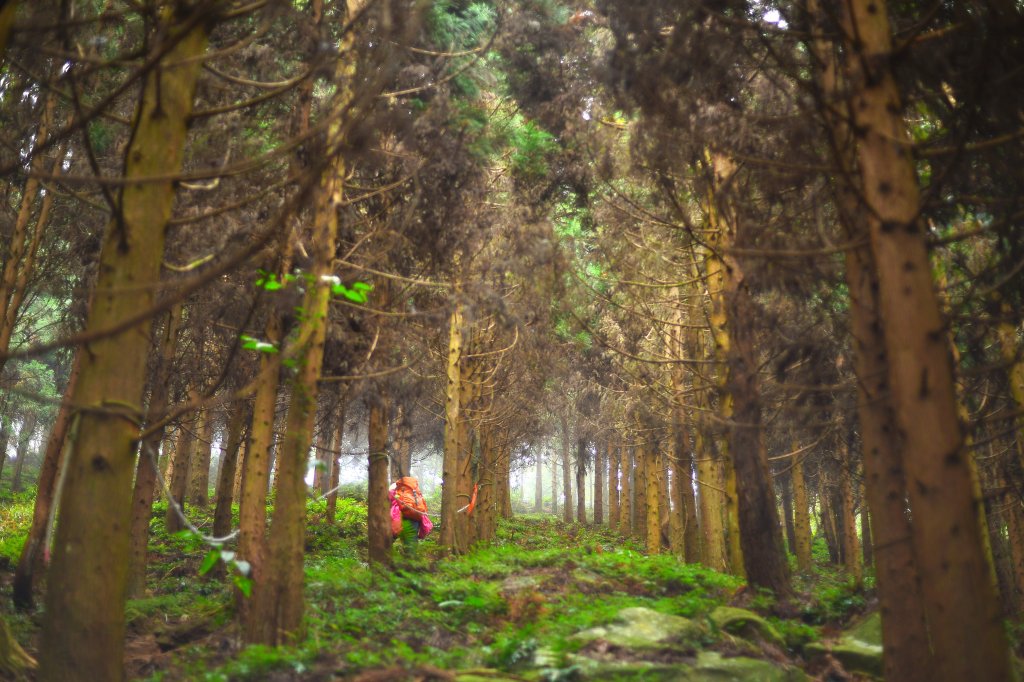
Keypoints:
pixel 696 326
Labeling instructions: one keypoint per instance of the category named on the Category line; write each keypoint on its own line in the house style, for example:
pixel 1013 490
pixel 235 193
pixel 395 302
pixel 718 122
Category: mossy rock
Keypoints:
pixel 710 666
pixel 859 649
pixel 745 624
pixel 640 628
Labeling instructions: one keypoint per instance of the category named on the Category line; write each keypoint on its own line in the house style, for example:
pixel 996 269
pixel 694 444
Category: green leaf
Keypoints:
pixel 362 286
pixel 273 285
pixel 355 296
pixel 212 557
pixel 243 584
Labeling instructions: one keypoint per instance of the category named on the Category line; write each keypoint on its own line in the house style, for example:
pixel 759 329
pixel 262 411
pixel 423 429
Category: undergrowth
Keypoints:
pixel 538 584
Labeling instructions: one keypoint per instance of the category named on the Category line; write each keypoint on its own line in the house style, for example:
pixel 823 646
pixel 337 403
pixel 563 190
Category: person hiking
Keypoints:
pixel 409 520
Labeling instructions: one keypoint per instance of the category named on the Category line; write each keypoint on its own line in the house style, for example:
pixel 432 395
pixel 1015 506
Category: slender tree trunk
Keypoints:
pixel 599 464
pixel 961 606
pixel 581 479
pixel 787 511
pixel 566 468
pixel 202 456
pixel 83 629
pixel 867 551
pixel 554 485
pixel 30 561
pixel 641 470
pixel 851 544
pixel 226 477
pixel 28 428
pixel 652 483
pixel 801 517
pixel 180 461
pixel 453 401
pixel 538 492
pixel 22 249
pixel 145 473
pixel 252 505
pixel 764 560
pixel 278 603
pixel 5 440
pixel 613 483
pixel 379 509
pixel 625 511
pixel 339 434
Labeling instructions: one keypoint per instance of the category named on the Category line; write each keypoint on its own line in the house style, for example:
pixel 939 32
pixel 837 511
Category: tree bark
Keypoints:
pixel 30 562
pixel 961 607
pixel 599 464
pixel 625 496
pixel 652 485
pixel 554 485
pixel 566 468
pixel 83 628
pixel 339 434
pixel 581 481
pixel 180 461
pixel 764 559
pixel 145 489
pixel 787 511
pixel 453 401
pixel 25 433
pixel 228 464
pixel 851 544
pixel 613 483
pixel 538 491
pixel 801 517
pixel 202 456
pixel 379 508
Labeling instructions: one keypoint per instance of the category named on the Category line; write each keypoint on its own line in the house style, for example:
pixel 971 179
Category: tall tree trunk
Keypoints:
pixel 652 483
pixel 625 496
pixel 581 481
pixel 22 249
pixel 614 454
pixel 180 461
pixel 851 544
pixel 252 502
pixel 599 465
pixel 487 498
pixel 961 606
pixel 202 456
pixel 339 434
pixel 145 472
pixel 867 550
pixel 641 470
pixel 764 559
pixel 566 468
pixel 83 629
pixel 228 464
pixel 787 511
pixel 538 491
pixel 30 562
pixel 379 509
pixel 453 401
pixel 801 516
pixel 28 428
pixel 5 440
pixel 554 485
pixel 278 604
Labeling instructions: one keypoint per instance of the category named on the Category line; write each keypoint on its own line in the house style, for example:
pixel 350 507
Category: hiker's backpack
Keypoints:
pixel 410 499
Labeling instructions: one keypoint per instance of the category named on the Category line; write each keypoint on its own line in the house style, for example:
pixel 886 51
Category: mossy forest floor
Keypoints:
pixel 503 612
